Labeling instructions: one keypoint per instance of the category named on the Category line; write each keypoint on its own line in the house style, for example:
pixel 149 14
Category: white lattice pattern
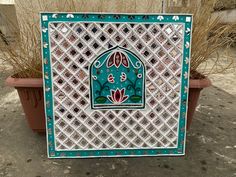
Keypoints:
pixel 75 45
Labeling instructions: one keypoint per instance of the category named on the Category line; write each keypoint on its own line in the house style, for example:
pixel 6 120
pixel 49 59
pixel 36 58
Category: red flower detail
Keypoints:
pixel 117 58
pixel 110 78
pixel 117 96
pixel 123 77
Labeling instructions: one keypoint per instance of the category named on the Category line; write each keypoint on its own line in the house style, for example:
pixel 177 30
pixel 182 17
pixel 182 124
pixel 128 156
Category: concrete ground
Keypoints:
pixel 210 152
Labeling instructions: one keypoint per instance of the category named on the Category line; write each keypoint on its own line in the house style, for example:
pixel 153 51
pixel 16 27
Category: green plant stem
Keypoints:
pixel 133 85
pixel 102 87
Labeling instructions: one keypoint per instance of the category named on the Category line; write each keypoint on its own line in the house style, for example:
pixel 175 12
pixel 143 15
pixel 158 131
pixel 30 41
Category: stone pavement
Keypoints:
pixel 210 151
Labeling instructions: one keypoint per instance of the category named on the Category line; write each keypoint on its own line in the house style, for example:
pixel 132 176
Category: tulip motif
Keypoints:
pixel 110 78
pixel 175 18
pixel 160 17
pixel 117 58
pixel 117 96
pixel 123 77
pixel 69 16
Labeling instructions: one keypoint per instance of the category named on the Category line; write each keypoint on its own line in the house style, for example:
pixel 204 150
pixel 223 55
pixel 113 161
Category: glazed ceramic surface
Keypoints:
pixel 115 84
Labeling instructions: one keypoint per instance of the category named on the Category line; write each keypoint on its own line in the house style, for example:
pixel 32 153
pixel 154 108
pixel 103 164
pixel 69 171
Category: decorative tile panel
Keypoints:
pixel 117 80
pixel 115 85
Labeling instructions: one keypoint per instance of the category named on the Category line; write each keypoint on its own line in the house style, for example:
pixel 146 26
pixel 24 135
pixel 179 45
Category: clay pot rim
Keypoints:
pixel 38 82
pixel 199 83
pixel 24 82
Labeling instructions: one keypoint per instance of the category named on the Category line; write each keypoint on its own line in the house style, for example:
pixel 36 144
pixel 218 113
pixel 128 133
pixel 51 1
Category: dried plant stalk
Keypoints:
pixel 208 36
pixel 211 41
pixel 26 57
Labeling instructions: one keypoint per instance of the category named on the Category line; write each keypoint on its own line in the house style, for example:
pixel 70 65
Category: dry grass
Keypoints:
pixel 211 41
pixel 26 58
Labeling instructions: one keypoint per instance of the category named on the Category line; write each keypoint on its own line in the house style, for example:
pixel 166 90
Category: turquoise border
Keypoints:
pixel 46 18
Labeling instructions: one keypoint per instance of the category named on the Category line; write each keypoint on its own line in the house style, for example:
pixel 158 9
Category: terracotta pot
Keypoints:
pixel 195 87
pixel 31 96
pixel 30 92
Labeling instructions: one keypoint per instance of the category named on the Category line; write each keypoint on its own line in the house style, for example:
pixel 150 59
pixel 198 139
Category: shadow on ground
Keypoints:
pixel 211 146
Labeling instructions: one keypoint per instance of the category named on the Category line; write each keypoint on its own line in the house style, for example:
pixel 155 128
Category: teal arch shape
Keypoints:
pixel 121 106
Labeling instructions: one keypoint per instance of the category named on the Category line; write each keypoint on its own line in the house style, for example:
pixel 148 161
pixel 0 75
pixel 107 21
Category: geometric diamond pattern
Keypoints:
pixel 75 45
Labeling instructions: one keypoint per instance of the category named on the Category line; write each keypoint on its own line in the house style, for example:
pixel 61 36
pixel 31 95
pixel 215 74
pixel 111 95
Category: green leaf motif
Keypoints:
pixel 101 99
pixel 135 98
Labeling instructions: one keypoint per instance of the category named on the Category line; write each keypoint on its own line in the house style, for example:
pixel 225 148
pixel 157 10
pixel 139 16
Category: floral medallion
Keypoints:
pixel 117 80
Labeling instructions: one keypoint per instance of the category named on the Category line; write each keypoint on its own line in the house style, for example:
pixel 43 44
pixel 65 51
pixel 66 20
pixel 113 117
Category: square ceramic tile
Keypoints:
pixel 115 84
